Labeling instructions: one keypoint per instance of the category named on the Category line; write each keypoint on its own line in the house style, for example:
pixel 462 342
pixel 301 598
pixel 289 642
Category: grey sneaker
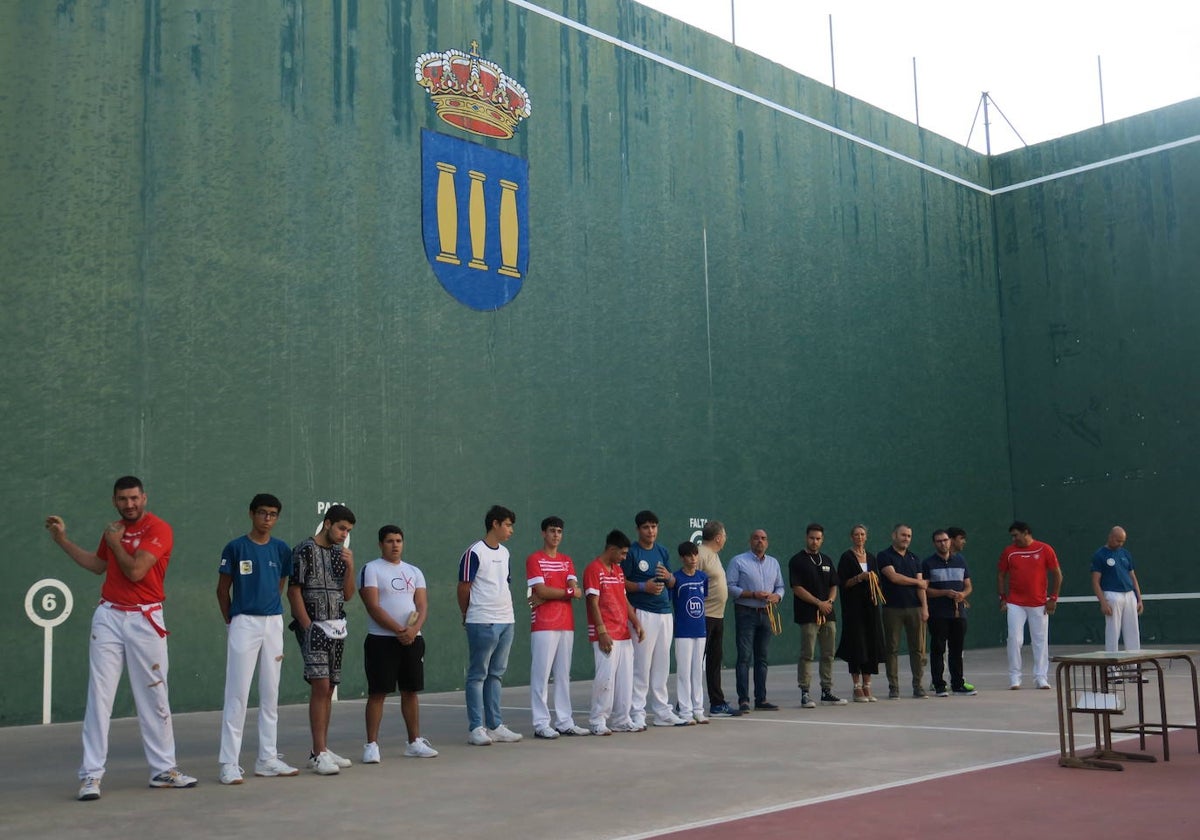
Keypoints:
pixel 806 701
pixel 89 789
pixel 573 730
pixel 172 778
pixel 479 737
pixel 893 693
pixel 920 694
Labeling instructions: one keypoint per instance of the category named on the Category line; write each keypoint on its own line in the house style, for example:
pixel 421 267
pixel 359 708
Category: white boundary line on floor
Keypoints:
pixel 832 797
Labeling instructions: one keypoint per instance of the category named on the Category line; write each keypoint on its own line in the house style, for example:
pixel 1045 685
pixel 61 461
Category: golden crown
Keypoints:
pixel 473 93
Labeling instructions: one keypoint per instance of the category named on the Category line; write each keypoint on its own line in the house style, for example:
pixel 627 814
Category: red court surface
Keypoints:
pixel 1033 798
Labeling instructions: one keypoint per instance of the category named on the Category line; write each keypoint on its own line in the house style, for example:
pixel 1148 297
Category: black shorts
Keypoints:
pixel 391 665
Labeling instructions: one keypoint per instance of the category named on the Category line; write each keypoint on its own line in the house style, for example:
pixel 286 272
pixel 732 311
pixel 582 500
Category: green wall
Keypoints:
pixel 216 280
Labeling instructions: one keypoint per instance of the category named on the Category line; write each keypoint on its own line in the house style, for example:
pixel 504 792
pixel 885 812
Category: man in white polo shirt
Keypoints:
pixel 485 602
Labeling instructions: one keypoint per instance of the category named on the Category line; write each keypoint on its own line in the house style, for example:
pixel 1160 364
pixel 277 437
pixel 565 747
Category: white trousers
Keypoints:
pixel 550 653
pixel 652 665
pixel 1123 623
pixel 689 676
pixel 613 686
pixel 252 640
pixel 1039 632
pixel 119 640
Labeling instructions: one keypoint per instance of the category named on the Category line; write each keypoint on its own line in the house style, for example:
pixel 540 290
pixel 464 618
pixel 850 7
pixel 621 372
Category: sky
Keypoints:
pixel 1036 60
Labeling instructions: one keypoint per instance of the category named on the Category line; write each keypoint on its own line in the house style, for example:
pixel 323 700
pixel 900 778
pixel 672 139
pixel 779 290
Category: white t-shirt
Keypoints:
pixel 486 569
pixel 397 584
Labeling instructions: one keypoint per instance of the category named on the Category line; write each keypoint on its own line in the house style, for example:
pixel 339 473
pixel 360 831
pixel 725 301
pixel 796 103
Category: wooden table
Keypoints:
pixel 1085 686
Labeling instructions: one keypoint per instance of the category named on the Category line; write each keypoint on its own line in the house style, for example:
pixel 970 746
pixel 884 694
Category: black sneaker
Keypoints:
pixel 764 706
pixel 744 708
pixel 828 698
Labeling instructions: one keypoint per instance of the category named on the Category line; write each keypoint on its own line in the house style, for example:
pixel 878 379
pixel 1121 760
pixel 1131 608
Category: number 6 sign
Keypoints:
pixel 49 611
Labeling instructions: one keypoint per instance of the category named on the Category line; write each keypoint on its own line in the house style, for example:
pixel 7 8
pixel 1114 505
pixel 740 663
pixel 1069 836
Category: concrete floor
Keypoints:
pixel 632 785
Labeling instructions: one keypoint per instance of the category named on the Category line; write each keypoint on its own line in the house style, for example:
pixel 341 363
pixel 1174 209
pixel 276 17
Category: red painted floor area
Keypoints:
pixel 1027 800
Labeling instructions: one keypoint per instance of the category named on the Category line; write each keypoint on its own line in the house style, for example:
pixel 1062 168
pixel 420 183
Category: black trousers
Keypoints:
pixel 714 629
pixel 945 632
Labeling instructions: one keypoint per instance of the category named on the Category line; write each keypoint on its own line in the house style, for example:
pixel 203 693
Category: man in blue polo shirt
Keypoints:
pixel 949 588
pixel 1116 586
pixel 904 610
pixel 254 570
pixel 648 581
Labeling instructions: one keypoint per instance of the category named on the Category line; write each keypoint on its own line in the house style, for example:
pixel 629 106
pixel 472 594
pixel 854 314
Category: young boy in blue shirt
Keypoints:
pixel 688 594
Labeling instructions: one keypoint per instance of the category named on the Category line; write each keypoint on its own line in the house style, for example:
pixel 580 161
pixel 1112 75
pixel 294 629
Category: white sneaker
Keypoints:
pixel 479 737
pixel 371 753
pixel 324 764
pixel 338 760
pixel 600 729
pixel 420 748
pixel 1042 684
pixel 545 732
pixel 503 735
pixel 670 719
pixel 274 767
pixel 699 717
pixel 231 774
pixel 572 729
pixel 89 789
pixel 172 778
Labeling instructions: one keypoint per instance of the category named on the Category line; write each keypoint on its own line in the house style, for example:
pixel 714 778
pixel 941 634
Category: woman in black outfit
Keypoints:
pixel 862 626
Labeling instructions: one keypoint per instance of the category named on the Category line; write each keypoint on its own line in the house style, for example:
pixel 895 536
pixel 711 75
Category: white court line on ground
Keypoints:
pixel 752 719
pixel 816 800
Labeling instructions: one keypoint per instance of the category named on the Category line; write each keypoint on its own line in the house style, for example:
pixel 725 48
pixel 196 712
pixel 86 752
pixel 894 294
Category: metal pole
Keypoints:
pixel 987 130
pixel 916 100
pixel 1100 77
pixel 832 65
pixel 732 24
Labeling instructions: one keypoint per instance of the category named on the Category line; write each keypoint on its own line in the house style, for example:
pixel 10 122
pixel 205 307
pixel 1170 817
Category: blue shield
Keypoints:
pixel 474 219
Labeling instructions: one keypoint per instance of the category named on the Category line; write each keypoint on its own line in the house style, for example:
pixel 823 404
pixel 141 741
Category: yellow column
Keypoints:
pixel 447 215
pixel 510 229
pixel 477 213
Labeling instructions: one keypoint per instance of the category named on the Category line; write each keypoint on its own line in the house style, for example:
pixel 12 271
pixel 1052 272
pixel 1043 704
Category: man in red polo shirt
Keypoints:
pixel 127 631
pixel 1028 582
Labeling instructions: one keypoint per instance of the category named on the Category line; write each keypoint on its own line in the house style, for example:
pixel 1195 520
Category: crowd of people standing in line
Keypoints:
pixel 637 610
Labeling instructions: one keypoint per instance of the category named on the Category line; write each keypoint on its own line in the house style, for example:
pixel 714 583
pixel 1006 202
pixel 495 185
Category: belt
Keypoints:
pixel 147 611
pixel 748 607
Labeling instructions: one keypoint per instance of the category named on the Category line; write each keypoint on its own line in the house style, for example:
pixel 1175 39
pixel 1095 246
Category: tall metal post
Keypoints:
pixel 1100 77
pixel 732 24
pixel 832 65
pixel 987 126
pixel 916 100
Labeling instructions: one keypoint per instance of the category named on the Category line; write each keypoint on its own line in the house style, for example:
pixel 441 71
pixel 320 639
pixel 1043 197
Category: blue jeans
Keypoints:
pixel 753 638
pixel 487 649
